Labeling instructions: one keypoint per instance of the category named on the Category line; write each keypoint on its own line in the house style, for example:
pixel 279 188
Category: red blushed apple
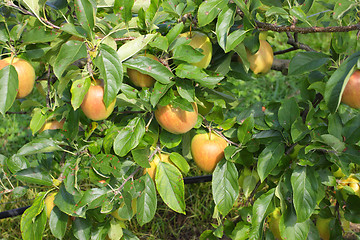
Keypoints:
pixel 176 120
pixel 207 150
pixel 351 94
pixel 139 79
pixel 93 105
pixel 26 74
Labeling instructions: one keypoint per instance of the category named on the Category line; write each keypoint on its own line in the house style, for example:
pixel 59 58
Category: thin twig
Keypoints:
pixel 21 112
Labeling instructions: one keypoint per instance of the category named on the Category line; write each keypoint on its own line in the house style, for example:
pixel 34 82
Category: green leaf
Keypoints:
pixel 111 71
pixel 9 85
pixel 262 207
pixel 208 10
pixel 115 232
pixel 100 231
pixel 69 53
pixel 39 145
pixel 333 142
pixel 85 13
pixel 298 130
pixel 124 8
pixel 81 228
pixel 234 39
pixel 78 90
pixel 288 112
pixel 134 46
pixel 174 32
pixel 269 158
pixel 34 6
pixel 185 89
pixel 306 62
pixel 290 228
pixel 39 35
pixel 336 84
pixel 68 202
pixel 244 132
pixel 180 162
pixel 170 185
pixel 225 186
pixel 158 92
pixel 305 187
pixel 147 202
pixel 187 53
pixel 160 42
pixel 150 67
pixel 34 175
pixel 190 71
pixel 32 223
pixel 58 223
pixel 170 140
pixel 141 156
pixel 74 30
pixel 223 24
pixel 37 121
pixel 129 137
pixel 341 8
pixel 17 163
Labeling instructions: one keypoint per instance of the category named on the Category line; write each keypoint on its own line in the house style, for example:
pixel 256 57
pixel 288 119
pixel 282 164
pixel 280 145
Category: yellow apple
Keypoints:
pixel 26 74
pixel 207 150
pixel 161 157
pixel 93 105
pixel 274 222
pixel 262 60
pixel 176 120
pixel 202 41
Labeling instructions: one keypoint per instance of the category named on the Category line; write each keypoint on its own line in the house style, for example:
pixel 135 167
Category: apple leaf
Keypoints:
pixel 306 62
pixel 336 84
pixel 174 32
pixel 115 232
pixel 58 223
pixel 67 202
pixel 85 13
pixel 74 30
pixel 37 121
pixel 186 89
pixel 305 185
pixel 190 71
pixel 234 39
pixel 40 145
pixel 208 10
pixel 223 24
pixel 180 162
pixel 100 231
pixel 290 228
pixel 39 35
pixel 342 8
pixel 129 137
pixel 298 130
pixel 170 185
pixel 78 90
pixel 150 67
pixel 69 53
pixel 134 46
pixel 351 130
pixel 288 112
pixel 141 156
pixel 225 186
pixel 111 71
pixel 187 53
pixel 16 163
pixel 81 228
pixel 170 140
pixel 32 217
pixel 147 202
pixel 269 158
pixel 9 85
pixel 34 175
pixel 262 207
pixel 159 91
pixel 124 8
pixel 244 132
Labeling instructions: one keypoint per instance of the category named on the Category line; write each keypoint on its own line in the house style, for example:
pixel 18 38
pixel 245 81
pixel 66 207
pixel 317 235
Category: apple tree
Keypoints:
pixel 122 87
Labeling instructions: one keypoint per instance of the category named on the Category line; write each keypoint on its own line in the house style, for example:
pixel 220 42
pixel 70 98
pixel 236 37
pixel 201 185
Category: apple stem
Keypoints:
pixel 148 124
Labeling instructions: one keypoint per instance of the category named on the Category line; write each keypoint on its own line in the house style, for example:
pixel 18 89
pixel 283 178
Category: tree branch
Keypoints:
pixel 281 65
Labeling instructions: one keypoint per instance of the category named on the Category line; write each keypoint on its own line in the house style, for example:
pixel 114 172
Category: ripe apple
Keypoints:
pixel 274 221
pixel 115 213
pixel 93 105
pixel 52 125
pixel 262 60
pixel 139 79
pixel 322 225
pixel 351 94
pixel 176 120
pixel 207 150
pixel 162 157
pixel 49 203
pixel 351 182
pixel 26 74
pixel 202 41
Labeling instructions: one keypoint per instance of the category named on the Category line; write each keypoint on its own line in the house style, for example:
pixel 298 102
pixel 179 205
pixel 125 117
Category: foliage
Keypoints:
pixel 96 167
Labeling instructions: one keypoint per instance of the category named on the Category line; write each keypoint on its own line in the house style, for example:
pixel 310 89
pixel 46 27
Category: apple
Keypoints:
pixel 261 61
pixel 351 182
pixel 93 105
pixel 176 120
pixel 202 41
pixel 161 157
pixel 52 125
pixel 207 149
pixel 322 225
pixel 49 203
pixel 274 222
pixel 139 79
pixel 351 94
pixel 26 74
